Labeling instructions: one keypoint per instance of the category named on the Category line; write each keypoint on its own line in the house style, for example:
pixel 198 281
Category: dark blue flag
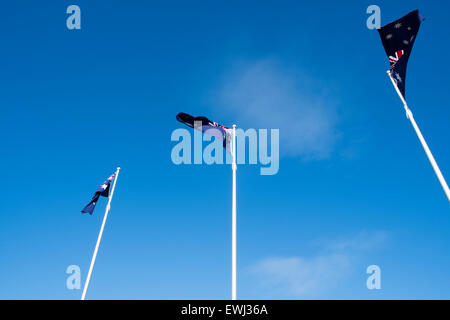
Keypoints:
pixel 398 39
pixel 205 125
pixel 103 191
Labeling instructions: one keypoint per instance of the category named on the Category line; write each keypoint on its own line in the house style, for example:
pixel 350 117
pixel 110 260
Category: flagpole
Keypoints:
pixel 94 256
pixel 410 116
pixel 233 233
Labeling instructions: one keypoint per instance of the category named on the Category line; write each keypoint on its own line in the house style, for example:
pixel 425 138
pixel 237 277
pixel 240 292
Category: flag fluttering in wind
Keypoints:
pixel 398 39
pixel 207 126
pixel 103 191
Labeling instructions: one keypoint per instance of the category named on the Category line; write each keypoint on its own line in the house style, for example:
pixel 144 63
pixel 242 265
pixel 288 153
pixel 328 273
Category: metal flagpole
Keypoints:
pixel 233 233
pixel 409 115
pixel 94 256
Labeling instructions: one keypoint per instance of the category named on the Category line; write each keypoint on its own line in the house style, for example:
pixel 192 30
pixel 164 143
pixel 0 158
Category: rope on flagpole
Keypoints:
pixel 233 233
pixel 410 116
pixel 94 256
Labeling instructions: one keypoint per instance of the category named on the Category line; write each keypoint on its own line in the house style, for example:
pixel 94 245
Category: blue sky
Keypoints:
pixel 354 186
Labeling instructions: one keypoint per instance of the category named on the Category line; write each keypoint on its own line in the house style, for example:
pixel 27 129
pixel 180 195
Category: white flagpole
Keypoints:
pixel 94 256
pixel 233 233
pixel 410 116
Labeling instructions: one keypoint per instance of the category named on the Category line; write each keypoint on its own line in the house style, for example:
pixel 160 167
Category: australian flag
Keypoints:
pixel 398 38
pixel 103 191
pixel 205 125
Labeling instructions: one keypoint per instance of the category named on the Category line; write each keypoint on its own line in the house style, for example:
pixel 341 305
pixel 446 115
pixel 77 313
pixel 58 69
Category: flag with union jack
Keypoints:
pixel 103 191
pixel 209 127
pixel 398 38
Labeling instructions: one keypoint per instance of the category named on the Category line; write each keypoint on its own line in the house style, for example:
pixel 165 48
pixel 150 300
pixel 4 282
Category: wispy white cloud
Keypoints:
pixel 362 241
pixel 301 277
pixel 265 94
pixel 311 277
